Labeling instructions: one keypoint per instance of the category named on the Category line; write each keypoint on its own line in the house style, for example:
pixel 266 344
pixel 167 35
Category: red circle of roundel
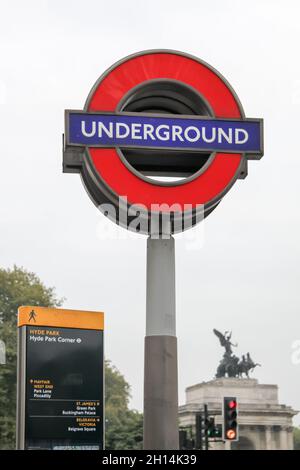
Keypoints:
pixel 207 186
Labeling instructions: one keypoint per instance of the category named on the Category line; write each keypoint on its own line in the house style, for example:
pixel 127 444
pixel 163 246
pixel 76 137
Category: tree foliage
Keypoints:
pixel 124 427
pixel 20 287
pixel 297 438
pixel 17 287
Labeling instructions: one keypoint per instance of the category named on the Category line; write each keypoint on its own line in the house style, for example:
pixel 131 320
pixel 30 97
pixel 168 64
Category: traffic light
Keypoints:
pixel 206 429
pixel 202 429
pixel 230 419
pixel 182 438
pixel 199 431
pixel 212 429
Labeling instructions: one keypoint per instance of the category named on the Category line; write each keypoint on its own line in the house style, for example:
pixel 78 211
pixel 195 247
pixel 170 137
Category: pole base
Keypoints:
pixel 160 393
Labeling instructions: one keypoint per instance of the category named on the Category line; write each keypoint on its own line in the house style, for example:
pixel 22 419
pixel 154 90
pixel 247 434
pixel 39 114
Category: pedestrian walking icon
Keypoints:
pixel 32 316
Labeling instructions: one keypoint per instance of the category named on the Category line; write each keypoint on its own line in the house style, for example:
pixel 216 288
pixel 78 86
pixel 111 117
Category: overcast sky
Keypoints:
pixel 245 276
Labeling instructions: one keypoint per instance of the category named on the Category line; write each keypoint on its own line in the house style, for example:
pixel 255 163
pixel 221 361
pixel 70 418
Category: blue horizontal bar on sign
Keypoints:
pixel 164 132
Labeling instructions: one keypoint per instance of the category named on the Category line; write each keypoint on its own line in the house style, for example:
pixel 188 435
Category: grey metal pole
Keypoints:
pixel 160 368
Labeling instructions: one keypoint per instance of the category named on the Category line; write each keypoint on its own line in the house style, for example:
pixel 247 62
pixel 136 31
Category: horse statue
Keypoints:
pixel 246 365
pixel 231 365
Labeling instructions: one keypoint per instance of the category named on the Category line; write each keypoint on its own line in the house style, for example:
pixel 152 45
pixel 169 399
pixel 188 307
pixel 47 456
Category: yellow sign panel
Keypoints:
pixel 43 316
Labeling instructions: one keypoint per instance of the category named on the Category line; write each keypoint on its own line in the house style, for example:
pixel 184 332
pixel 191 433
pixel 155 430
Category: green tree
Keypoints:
pixel 297 438
pixel 20 287
pixel 124 427
pixel 17 287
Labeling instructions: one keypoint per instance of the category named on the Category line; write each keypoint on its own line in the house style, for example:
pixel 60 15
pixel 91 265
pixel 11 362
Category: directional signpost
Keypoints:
pixel 60 379
pixel 160 141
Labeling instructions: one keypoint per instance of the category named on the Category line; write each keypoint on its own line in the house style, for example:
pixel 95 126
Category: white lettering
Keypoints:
pixel 165 135
pixel 108 131
pixel 211 139
pixel 120 125
pixel 164 132
pixel 237 138
pixel 193 129
pixel 85 132
pixel 135 131
pixel 227 137
pixel 148 131
pixel 176 132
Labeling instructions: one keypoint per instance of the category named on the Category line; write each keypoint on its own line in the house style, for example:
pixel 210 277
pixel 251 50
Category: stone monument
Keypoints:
pixel 264 423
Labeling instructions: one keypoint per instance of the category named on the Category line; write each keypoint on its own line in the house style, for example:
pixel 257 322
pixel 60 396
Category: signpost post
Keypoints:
pixel 155 114
pixel 60 402
pixel 160 369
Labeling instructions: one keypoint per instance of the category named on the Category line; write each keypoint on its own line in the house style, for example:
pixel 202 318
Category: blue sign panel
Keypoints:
pixel 164 132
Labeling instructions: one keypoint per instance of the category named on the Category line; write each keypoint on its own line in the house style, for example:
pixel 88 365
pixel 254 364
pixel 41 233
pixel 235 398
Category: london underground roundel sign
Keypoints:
pixel 162 133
